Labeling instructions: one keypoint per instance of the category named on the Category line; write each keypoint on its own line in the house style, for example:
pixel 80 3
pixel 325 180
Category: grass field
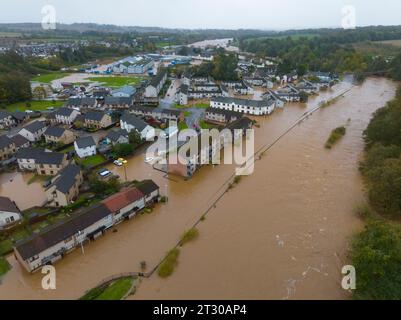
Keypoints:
pixel 116 82
pixel 93 160
pixel 47 78
pixel 36 105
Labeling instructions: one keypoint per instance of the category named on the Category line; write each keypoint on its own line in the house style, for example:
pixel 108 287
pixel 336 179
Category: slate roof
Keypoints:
pixel 81 102
pixel 158 78
pixel 20 116
pixel 114 135
pixel 94 115
pixel 227 113
pixel 4 114
pixel 35 126
pixel 5 142
pixel 54 131
pixel 41 156
pixel 64 112
pixel 61 231
pixel 19 140
pixel 67 178
pixel 147 187
pixel 7 205
pixel 85 142
pixel 184 89
pixel 139 124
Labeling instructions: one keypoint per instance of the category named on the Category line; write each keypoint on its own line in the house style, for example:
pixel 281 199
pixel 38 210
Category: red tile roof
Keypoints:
pixel 122 199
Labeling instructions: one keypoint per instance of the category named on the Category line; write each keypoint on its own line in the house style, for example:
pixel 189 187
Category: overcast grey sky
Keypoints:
pixel 231 14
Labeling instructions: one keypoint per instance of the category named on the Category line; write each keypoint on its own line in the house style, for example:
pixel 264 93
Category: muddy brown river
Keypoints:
pixel 282 233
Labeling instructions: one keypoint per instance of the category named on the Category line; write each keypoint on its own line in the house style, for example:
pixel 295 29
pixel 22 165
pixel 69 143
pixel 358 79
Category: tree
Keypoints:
pixel 376 255
pixel 103 187
pixel 134 138
pixel 123 149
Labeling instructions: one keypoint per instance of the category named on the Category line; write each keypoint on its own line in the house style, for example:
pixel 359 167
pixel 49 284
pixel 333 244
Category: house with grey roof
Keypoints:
pixel 10 214
pixel 59 135
pixel 53 242
pixel 97 120
pixel 156 84
pixel 85 147
pixel 82 103
pixel 161 114
pixel 7 148
pixel 33 131
pixel 130 122
pixel 221 115
pixel 66 115
pixel 20 142
pixel 41 161
pixel 6 120
pixel 117 136
pixel 64 187
pixel 117 102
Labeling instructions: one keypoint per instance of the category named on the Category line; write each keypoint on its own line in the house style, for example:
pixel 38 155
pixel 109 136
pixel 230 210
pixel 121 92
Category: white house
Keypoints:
pixel 85 147
pixel 33 131
pixel 66 115
pixel 9 212
pixel 254 107
pixel 156 84
pixel 129 122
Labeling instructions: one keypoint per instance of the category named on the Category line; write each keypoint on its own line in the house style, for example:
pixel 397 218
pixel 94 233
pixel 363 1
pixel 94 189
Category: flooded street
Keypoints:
pixel 280 233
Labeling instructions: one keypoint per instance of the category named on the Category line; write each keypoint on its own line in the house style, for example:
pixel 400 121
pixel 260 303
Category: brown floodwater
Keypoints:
pixel 15 186
pixel 281 233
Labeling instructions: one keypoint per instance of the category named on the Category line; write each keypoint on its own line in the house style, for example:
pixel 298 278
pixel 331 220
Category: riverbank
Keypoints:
pixel 263 235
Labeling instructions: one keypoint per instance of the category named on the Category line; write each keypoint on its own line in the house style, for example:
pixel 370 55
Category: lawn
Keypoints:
pixel 93 160
pixel 47 78
pixel 116 81
pixel 114 291
pixel 4 266
pixel 35 105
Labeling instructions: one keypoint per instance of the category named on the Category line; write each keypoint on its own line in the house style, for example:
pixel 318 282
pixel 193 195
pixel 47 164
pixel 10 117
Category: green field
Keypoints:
pixel 36 105
pixel 93 160
pixel 47 78
pixel 116 81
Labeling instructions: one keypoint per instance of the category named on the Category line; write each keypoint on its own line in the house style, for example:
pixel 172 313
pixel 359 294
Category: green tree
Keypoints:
pixel 123 149
pixel 134 138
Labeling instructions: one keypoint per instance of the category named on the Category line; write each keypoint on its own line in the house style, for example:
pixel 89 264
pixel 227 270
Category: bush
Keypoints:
pixel 123 149
pixel 189 236
pixel 335 135
pixel 166 268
